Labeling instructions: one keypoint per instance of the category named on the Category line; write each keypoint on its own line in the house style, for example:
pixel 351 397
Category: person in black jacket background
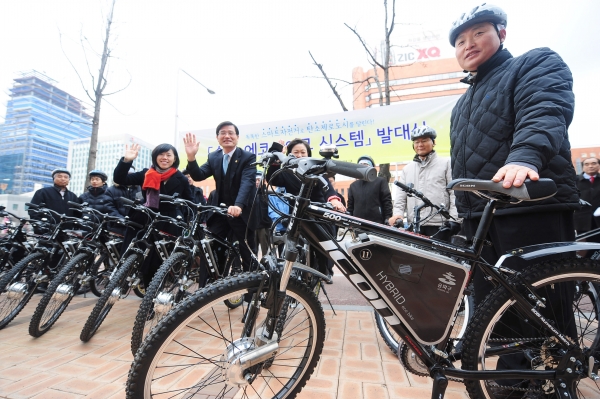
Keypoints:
pixel 370 200
pixel 56 197
pixel 197 193
pixel 161 178
pixel 97 197
pixel 510 125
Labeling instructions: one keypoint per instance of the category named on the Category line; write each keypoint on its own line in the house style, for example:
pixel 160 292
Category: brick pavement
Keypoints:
pixel 355 362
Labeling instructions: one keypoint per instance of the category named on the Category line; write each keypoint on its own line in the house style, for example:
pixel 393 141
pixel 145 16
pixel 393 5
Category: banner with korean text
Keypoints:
pixel 383 132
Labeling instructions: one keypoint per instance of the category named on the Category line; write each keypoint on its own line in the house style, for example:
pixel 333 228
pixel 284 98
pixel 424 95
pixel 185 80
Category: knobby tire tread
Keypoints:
pixel 36 319
pixel 93 322
pixel 148 302
pixel 7 279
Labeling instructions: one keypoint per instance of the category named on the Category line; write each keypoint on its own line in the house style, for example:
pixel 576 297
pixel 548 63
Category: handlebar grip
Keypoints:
pixel 75 204
pixel 126 201
pixel 166 197
pixel 349 169
pixel 136 225
pixel 403 186
pixel 34 206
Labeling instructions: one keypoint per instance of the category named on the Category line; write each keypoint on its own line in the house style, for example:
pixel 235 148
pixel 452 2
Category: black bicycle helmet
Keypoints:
pixel 423 131
pixel 483 13
pixel 60 170
pixel 100 174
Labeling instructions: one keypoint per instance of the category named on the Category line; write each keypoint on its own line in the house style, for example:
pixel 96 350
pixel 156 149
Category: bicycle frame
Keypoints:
pixel 378 298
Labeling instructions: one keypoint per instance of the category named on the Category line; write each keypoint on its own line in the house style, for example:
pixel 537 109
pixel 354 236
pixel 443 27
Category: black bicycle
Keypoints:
pixel 127 273
pixel 53 249
pixel 203 348
pixel 14 244
pixel 79 271
pixel 193 262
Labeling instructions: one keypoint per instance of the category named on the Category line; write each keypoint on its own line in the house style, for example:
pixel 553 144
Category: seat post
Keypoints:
pixel 484 226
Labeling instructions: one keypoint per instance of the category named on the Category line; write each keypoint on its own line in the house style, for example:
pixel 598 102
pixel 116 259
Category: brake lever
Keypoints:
pixel 325 184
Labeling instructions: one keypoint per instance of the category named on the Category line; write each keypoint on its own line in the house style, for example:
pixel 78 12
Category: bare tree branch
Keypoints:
pixel 364 45
pixel 329 82
pixel 73 66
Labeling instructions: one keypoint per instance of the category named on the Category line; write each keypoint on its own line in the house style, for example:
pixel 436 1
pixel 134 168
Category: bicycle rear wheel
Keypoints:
pixel 112 293
pixel 101 273
pixel 192 352
pixel 58 295
pixel 572 305
pixel 168 287
pixel 18 285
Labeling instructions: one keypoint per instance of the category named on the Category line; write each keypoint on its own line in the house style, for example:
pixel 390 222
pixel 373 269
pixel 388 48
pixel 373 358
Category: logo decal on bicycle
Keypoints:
pixel 404 269
pixel 448 279
pixel 365 254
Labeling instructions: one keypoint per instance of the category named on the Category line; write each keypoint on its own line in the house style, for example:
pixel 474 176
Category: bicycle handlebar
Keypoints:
pixel 411 191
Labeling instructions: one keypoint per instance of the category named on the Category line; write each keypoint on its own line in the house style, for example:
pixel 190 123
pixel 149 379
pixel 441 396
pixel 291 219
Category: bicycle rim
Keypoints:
pixel 185 356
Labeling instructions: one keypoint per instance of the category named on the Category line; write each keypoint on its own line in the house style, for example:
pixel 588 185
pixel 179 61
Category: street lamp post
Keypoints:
pixel 177 99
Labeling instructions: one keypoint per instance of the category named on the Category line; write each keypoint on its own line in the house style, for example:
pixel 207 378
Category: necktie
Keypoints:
pixel 225 163
pixel 592 179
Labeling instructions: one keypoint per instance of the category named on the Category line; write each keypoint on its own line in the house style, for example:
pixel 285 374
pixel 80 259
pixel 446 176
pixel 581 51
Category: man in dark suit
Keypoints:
pixel 234 175
pixel 588 184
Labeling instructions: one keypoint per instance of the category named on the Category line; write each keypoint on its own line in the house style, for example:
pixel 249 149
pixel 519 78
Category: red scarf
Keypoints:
pixel 151 184
pixel 153 178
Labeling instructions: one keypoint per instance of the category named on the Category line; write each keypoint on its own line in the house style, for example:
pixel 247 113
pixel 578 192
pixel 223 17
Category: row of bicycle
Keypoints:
pixel 65 256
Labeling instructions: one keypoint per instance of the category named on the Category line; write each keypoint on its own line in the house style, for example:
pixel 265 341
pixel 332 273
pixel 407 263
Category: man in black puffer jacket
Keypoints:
pixel 97 197
pixel 511 125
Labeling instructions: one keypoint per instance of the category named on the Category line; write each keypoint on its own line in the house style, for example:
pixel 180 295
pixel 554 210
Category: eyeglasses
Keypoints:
pixel 590 163
pixel 227 133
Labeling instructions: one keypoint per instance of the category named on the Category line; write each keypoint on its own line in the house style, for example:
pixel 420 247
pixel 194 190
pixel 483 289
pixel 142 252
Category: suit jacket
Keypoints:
pixel 240 179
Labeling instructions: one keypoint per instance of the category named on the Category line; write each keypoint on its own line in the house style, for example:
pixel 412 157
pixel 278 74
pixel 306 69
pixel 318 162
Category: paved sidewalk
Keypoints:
pixel 355 362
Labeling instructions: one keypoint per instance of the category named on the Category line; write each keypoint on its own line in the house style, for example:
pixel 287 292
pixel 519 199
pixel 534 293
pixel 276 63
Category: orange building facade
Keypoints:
pixel 434 78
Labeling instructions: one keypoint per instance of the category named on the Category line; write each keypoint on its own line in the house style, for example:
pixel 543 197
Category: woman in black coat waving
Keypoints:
pixel 161 178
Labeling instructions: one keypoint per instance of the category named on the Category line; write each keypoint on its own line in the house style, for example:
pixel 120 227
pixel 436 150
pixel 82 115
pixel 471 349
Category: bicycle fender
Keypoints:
pixel 307 269
pixel 540 250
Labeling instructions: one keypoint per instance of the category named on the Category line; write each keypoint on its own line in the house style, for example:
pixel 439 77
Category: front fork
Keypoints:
pixel 278 281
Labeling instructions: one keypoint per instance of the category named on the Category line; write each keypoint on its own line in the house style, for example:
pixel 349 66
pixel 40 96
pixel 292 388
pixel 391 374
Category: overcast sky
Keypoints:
pixel 254 54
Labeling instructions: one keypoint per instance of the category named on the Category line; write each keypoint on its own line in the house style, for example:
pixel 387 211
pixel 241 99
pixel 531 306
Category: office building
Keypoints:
pixel 40 121
pixel 110 150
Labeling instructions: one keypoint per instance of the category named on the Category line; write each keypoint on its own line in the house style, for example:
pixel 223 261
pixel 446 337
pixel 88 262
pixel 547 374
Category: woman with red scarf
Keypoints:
pixel 161 178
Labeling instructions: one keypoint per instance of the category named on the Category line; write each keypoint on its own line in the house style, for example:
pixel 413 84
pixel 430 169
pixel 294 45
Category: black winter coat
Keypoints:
pixel 98 198
pixel 53 200
pixel 517 110
pixel 589 192
pixel 117 191
pixel 370 200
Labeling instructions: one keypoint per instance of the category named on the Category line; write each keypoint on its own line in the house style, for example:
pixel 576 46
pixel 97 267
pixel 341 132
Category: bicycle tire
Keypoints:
pixel 393 341
pixel 142 324
pixel 101 272
pixel 42 319
pixel 12 304
pixel 103 306
pixel 304 327
pixel 492 319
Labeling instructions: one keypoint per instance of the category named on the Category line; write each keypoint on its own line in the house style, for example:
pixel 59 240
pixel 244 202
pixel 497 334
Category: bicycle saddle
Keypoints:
pixel 529 191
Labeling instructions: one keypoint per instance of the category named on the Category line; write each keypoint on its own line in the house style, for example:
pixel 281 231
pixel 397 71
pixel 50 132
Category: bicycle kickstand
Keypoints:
pixel 440 383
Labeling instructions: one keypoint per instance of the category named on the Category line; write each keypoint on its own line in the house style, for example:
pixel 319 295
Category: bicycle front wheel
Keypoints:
pixel 193 351
pixel 58 295
pixel 501 337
